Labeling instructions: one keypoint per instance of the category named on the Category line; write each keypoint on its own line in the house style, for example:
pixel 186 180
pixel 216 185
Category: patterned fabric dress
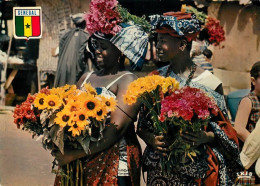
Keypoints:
pixel 255 111
pixel 210 167
pixel 106 167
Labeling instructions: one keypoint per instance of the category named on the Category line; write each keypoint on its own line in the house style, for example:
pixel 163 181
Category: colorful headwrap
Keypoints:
pixel 108 20
pixel 177 24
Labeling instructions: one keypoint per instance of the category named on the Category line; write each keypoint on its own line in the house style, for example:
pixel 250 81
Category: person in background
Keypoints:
pixel 248 112
pixel 203 60
pixel 74 58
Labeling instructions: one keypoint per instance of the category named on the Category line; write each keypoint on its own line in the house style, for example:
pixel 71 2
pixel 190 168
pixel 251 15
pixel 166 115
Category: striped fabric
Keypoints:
pixel 200 60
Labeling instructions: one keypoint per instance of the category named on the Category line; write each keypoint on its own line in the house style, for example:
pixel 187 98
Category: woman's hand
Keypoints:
pixel 68 156
pixel 195 139
pixel 160 145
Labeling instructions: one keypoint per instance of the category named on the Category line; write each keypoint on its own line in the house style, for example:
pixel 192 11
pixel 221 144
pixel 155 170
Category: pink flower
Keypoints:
pixel 103 17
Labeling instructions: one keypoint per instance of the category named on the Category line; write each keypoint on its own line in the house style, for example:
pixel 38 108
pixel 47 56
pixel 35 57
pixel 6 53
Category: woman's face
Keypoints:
pixel 167 47
pixel 256 83
pixel 107 54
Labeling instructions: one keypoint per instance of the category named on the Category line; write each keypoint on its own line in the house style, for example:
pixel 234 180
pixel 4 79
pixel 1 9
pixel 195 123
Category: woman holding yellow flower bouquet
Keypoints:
pixel 115 159
pixel 175 31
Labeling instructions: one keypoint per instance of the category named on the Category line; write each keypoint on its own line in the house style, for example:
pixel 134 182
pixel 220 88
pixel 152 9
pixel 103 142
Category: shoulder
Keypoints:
pixel 128 77
pixel 246 103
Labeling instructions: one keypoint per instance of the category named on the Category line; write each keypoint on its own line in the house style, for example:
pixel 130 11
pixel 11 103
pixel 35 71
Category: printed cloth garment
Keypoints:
pixel 133 43
pixel 255 111
pixel 215 163
pixel 176 24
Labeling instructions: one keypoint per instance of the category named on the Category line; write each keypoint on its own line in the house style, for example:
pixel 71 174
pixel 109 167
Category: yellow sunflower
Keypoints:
pixel 110 103
pixel 72 106
pixel 81 118
pixel 62 118
pixel 101 114
pixel 76 129
pixel 91 105
pixel 39 101
pixel 53 102
pixel 91 90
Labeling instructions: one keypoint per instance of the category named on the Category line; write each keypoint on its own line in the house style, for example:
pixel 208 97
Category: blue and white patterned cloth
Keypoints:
pixel 133 42
pixel 182 27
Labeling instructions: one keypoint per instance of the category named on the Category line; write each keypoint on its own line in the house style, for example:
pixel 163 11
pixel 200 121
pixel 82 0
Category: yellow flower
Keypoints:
pixel 55 91
pixel 147 85
pixel 62 118
pixel 81 118
pixel 39 101
pixel 53 102
pixel 91 105
pixel 101 114
pixel 110 103
pixel 72 106
pixel 169 83
pixel 76 129
pixel 90 89
pixel 128 99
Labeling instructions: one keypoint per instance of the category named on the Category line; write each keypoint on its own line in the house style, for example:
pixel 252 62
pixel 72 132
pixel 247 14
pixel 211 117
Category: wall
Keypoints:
pixel 241 47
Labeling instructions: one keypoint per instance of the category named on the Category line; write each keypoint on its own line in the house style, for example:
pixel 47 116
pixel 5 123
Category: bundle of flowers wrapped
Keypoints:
pixel 66 116
pixel 106 16
pixel 186 110
pixel 215 33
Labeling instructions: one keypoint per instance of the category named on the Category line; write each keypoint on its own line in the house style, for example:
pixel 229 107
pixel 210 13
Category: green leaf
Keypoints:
pixel 84 142
pixel 57 137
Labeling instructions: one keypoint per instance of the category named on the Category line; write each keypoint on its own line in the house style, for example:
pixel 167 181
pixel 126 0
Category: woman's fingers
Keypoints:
pixel 162 149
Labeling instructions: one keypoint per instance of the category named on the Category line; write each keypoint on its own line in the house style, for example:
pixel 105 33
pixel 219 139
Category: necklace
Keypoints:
pixel 193 69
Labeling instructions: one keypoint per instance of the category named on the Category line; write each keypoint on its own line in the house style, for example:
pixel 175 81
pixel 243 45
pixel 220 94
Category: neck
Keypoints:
pixel 110 71
pixel 181 62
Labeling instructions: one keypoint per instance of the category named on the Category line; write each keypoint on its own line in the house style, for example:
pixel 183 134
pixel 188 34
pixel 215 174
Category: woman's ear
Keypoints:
pixel 253 80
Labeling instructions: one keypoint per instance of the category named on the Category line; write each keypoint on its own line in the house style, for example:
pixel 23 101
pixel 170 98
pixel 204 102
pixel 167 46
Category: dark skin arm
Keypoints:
pixel 112 133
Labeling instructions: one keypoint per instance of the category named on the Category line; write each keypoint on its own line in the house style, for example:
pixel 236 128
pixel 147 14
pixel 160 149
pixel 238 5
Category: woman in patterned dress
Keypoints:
pixel 115 159
pixel 176 30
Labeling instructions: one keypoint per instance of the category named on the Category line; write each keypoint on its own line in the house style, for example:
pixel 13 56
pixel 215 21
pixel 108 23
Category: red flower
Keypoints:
pixel 188 103
pixel 215 31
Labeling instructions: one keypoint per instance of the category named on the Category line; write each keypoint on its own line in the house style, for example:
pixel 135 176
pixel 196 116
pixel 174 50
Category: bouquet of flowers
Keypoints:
pixel 173 112
pixel 65 116
pixel 186 110
pixel 106 16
